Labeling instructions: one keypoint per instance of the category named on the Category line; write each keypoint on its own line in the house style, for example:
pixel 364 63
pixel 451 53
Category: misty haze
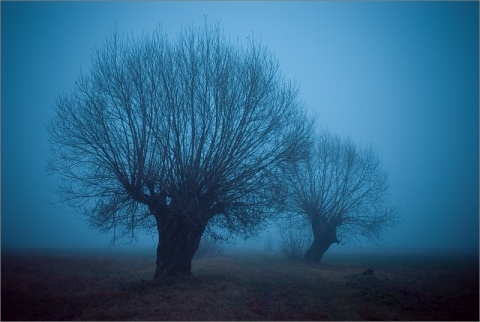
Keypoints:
pixel 205 161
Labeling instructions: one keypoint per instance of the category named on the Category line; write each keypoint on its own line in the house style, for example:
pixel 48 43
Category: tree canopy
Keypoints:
pixel 340 192
pixel 170 135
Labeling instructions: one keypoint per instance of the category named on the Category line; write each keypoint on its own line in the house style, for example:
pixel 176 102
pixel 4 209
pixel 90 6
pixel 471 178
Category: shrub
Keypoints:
pixel 293 241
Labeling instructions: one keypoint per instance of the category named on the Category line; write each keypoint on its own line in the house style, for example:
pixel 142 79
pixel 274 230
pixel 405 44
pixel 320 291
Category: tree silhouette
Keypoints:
pixel 340 192
pixel 175 135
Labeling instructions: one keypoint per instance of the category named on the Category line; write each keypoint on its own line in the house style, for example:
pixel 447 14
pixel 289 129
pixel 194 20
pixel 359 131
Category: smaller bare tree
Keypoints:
pixel 341 192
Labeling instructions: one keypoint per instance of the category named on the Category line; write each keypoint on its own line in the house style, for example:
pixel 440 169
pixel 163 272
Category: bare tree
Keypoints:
pixel 340 192
pixel 172 135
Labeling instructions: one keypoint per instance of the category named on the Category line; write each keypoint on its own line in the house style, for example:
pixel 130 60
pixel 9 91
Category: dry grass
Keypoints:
pixel 238 287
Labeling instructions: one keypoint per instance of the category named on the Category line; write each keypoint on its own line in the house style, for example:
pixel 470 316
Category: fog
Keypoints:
pixel 400 76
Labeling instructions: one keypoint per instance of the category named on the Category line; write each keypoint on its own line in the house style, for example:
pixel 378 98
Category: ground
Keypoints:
pixel 240 286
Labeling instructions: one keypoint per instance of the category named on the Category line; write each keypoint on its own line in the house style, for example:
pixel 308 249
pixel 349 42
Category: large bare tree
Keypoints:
pixel 339 192
pixel 175 135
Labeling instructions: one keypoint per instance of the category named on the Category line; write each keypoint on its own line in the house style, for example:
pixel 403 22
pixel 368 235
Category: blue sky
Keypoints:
pixel 402 76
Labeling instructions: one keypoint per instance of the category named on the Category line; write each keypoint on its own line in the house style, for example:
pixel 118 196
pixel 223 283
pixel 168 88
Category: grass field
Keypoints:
pixel 240 286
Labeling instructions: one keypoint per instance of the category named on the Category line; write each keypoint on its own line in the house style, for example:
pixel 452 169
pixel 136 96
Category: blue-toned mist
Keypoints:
pixel 402 76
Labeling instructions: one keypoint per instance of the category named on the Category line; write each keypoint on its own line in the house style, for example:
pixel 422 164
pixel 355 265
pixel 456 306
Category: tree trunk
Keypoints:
pixel 316 251
pixel 178 240
pixel 324 235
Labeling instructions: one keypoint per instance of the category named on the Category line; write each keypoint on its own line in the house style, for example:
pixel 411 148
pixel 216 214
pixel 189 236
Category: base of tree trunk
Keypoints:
pixel 177 267
pixel 172 278
pixel 316 251
pixel 163 274
pixel 178 240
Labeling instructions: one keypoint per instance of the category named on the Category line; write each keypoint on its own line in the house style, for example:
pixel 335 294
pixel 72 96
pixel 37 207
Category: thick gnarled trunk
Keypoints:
pixel 324 235
pixel 316 251
pixel 178 240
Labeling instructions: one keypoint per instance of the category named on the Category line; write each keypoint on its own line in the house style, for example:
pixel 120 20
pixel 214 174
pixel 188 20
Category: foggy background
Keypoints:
pixel 401 76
